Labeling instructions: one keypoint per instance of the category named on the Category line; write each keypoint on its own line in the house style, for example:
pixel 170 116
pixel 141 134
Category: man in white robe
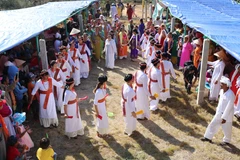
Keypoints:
pixel 57 74
pixel 84 63
pixel 142 93
pixel 166 69
pixel 110 50
pixel 224 114
pixel 155 83
pixel 128 105
pixel 113 12
pixel 144 41
pixel 47 113
pixel 150 53
pixel 218 66
pixel 76 57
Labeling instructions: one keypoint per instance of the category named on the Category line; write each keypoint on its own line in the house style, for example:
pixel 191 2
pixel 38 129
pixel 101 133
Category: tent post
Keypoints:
pixel 166 15
pixel 65 24
pixel 201 85
pixel 146 9
pixel 37 45
pixel 142 8
pixel 80 19
pixel 184 30
pixel 172 24
pixel 43 54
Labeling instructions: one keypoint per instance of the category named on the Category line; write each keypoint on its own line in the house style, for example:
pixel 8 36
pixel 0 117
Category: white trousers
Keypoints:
pixel 214 126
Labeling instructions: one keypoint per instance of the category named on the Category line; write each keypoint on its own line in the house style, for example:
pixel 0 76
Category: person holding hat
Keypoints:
pixel 234 76
pixel 134 45
pixel 224 114
pixel 123 41
pixel 155 83
pixel 100 106
pixel 57 74
pixel 167 71
pixel 142 93
pixel 84 63
pixel 64 64
pixel 76 57
pixel 73 122
pixel 110 50
pixel 218 66
pixel 150 52
pixel 128 105
pixel 48 114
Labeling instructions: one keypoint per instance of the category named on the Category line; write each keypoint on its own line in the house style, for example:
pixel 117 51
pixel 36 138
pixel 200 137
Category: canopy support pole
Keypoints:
pixel 80 19
pixel 166 15
pixel 172 24
pixel 37 45
pixel 65 24
pixel 143 8
pixel 202 79
pixel 43 54
pixel 146 10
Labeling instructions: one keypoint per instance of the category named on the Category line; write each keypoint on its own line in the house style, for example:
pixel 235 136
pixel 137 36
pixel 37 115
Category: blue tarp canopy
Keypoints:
pixel 20 25
pixel 219 20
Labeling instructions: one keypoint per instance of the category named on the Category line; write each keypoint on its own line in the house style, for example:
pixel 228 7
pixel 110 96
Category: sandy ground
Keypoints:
pixel 173 132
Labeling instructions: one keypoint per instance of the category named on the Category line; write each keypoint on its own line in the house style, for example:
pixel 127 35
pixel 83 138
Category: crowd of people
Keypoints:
pixel 52 90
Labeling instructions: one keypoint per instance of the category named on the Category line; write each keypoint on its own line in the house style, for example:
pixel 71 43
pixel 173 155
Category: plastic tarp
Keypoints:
pixel 22 24
pixel 219 20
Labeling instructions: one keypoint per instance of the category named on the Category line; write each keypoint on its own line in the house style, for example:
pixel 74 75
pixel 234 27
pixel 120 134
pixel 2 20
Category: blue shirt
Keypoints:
pixel 19 91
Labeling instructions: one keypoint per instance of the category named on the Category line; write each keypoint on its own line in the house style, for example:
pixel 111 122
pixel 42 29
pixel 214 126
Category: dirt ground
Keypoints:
pixel 173 132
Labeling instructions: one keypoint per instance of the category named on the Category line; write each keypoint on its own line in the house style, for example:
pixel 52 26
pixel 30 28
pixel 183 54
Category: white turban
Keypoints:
pixel 226 81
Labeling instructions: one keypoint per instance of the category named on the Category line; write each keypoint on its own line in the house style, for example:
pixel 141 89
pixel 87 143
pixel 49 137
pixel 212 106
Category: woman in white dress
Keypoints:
pixel 85 52
pixel 47 110
pixel 73 122
pixel 76 57
pixel 110 50
pixel 128 105
pixel 100 107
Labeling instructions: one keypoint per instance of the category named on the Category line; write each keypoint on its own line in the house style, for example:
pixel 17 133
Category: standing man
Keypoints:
pixel 48 114
pixel 155 83
pixel 142 93
pixel 108 8
pixel 188 73
pixel 128 105
pixel 166 69
pixel 224 114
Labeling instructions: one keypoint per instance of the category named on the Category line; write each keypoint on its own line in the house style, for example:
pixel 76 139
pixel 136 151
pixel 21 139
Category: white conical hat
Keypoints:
pixel 74 31
pixel 19 62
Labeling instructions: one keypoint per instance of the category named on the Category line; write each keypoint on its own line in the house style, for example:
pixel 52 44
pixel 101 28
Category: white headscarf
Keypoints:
pixel 235 72
pixel 226 81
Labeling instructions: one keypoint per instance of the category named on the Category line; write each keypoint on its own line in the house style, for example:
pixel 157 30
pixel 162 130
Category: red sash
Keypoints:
pixel 237 96
pixel 163 74
pixel 55 77
pixel 83 49
pixel 150 81
pixel 124 101
pixel 150 54
pixel 61 66
pixel 73 58
pixel 72 102
pixel 47 93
